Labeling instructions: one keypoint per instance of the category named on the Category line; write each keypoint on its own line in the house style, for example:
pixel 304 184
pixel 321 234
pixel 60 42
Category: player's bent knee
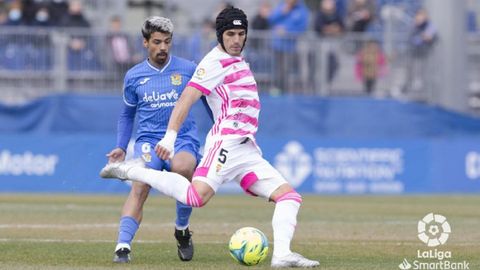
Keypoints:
pixel 289 195
pixel 193 199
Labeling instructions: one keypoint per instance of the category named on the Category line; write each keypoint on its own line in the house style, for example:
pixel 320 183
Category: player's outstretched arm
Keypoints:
pixel 189 96
pixel 164 147
pixel 124 132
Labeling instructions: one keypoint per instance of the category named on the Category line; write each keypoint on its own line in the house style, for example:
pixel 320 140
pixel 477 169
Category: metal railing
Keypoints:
pixel 473 62
pixel 36 61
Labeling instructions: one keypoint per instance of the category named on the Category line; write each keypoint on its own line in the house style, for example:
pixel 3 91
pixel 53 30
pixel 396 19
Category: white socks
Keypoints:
pixel 283 222
pixel 170 184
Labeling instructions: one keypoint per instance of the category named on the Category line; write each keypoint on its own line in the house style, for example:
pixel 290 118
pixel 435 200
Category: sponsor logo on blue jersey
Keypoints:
pixel 160 100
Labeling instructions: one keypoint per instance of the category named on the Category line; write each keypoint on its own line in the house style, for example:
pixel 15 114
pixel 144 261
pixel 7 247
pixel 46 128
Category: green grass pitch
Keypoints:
pixel 364 232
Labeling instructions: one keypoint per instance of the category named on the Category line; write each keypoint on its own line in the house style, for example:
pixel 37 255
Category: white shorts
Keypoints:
pixel 239 160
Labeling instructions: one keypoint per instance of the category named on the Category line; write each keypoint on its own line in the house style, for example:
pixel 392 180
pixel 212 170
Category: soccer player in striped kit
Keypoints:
pixel 151 89
pixel 231 152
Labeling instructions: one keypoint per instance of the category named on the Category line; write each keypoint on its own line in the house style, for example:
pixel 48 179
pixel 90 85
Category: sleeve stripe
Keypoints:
pixel 199 87
pixel 128 104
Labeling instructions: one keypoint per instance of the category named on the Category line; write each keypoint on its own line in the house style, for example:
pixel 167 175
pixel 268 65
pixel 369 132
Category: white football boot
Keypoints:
pixel 120 169
pixel 122 253
pixel 293 260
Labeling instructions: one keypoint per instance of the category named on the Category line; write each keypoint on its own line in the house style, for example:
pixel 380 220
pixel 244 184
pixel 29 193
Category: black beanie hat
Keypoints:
pixel 230 18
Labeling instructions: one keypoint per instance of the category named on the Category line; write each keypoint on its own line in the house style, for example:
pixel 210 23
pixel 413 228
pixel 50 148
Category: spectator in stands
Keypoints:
pixel 58 9
pixel 423 35
pixel 29 8
pixel 329 24
pixel 74 17
pixel 288 20
pixel 15 14
pixel 422 39
pixel 3 16
pixel 40 52
pixel 260 23
pixel 360 15
pixel 42 17
pixel 259 53
pixel 15 46
pixel 370 65
pixel 260 20
pixel 120 48
pixel 81 48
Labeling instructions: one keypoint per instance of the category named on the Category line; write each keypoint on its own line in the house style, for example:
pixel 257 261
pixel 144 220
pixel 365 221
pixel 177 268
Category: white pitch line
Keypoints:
pixel 69 207
pixel 57 226
pixel 40 240
pixel 323 243
pixel 48 240
pixel 99 225
pixel 201 225
pixel 74 226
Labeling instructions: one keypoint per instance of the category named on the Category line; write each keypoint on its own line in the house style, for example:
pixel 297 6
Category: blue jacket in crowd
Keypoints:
pixel 294 22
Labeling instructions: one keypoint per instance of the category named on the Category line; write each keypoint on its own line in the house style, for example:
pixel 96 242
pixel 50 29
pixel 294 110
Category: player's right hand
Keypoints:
pixel 165 147
pixel 116 155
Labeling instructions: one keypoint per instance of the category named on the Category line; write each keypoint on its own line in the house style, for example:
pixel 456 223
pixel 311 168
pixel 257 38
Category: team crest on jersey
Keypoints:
pixel 147 157
pixel 176 79
pixel 200 72
pixel 219 167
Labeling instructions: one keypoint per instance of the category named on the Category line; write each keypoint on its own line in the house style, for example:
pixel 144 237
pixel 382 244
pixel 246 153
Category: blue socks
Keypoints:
pixel 128 228
pixel 183 215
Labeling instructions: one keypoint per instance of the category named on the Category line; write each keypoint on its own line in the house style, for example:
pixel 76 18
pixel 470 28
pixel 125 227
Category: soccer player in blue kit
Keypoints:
pixel 151 89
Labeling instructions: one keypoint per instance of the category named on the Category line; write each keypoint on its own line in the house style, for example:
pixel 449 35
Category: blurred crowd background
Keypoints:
pixel 402 49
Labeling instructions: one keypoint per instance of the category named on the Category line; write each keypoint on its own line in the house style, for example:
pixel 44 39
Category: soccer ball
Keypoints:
pixel 248 246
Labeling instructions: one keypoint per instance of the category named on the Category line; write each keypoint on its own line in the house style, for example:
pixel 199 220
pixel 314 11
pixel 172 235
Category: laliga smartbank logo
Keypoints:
pixel 433 231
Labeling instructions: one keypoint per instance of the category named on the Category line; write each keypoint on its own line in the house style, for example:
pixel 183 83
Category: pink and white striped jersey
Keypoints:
pixel 231 92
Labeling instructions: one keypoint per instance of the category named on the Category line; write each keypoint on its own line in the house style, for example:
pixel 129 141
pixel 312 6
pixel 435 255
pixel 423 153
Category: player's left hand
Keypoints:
pixel 165 147
pixel 116 155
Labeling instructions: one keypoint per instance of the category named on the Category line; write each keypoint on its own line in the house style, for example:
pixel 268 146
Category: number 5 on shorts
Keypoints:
pixel 222 156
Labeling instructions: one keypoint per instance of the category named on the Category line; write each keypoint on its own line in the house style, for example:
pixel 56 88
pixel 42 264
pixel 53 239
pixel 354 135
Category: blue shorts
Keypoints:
pixel 146 150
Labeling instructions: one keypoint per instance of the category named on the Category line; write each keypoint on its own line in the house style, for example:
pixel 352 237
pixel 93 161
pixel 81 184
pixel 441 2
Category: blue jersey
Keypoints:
pixel 153 93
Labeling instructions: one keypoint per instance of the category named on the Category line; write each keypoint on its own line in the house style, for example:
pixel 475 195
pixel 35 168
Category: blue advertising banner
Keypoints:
pixel 325 146
pixel 377 167
pixel 56 163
